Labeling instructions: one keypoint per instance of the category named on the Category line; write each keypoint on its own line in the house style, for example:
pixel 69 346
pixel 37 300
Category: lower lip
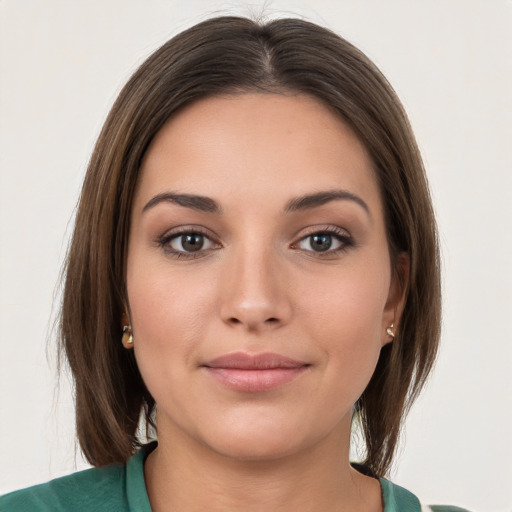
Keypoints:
pixel 254 381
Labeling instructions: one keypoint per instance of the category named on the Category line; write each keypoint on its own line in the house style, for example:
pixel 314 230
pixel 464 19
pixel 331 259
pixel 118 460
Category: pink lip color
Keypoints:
pixel 254 373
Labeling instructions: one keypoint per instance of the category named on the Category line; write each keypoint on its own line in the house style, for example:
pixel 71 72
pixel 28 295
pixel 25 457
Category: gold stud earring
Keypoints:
pixel 127 338
pixel 390 330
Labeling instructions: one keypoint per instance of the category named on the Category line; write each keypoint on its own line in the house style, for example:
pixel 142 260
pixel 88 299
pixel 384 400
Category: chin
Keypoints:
pixel 258 440
pixel 242 448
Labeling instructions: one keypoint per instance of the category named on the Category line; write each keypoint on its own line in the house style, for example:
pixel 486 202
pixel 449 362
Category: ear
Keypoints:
pixel 127 336
pixel 125 317
pixel 125 320
pixel 396 297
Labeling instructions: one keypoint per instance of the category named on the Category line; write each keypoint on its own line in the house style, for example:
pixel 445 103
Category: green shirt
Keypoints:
pixel 121 488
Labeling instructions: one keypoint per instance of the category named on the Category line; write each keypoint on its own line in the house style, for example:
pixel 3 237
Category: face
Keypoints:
pixel 258 275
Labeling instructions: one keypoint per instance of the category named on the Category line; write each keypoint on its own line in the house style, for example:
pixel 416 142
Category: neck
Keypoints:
pixel 182 474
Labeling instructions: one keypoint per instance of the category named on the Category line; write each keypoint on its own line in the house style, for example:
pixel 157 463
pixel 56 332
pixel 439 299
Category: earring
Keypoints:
pixel 390 330
pixel 127 338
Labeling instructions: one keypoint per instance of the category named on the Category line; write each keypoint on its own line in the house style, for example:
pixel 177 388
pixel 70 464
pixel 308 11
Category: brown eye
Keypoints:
pixel 325 242
pixel 190 242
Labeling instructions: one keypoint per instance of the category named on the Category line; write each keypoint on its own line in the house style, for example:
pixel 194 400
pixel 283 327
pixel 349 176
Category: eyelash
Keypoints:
pixel 345 240
pixel 165 240
pixel 337 233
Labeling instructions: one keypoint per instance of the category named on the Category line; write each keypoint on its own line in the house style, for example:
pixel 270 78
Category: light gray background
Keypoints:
pixel 62 63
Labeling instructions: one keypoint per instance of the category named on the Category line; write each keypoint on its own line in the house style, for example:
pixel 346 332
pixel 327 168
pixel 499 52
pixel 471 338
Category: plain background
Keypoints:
pixel 62 64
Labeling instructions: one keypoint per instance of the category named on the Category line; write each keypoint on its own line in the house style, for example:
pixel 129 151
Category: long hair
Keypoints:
pixel 231 55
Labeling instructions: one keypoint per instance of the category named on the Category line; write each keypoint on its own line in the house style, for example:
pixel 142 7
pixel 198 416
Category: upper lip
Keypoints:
pixel 244 361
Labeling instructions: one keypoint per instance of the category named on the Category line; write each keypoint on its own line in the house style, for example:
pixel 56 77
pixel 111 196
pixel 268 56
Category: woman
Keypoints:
pixel 254 267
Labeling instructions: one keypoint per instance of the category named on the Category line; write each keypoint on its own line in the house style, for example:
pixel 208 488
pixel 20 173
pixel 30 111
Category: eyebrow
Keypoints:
pixel 195 202
pixel 305 202
pixel 308 201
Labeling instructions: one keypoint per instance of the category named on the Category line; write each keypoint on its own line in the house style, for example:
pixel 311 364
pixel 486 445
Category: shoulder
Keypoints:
pixel 444 508
pixel 84 490
pixel 398 499
pixel 115 488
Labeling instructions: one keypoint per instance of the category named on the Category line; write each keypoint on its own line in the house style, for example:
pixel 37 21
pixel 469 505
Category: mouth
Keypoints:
pixel 254 373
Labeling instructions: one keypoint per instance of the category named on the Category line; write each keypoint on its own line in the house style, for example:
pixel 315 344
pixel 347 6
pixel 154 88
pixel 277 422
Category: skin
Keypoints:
pixel 259 284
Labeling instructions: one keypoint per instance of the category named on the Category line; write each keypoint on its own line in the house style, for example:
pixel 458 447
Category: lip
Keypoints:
pixel 254 373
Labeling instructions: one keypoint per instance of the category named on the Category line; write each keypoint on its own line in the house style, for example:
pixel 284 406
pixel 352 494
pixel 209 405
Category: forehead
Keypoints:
pixel 249 143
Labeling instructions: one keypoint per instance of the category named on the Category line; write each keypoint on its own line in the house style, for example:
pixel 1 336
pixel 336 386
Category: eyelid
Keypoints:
pixel 341 234
pixel 322 228
pixel 163 241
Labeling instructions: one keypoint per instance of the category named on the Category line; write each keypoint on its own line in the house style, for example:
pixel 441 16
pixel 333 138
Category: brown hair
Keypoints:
pixel 231 55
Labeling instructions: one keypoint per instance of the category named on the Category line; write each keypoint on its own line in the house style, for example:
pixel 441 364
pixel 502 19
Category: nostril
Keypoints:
pixel 236 321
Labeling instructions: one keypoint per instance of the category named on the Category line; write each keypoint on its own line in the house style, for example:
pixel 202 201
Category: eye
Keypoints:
pixel 328 242
pixel 190 242
pixel 186 243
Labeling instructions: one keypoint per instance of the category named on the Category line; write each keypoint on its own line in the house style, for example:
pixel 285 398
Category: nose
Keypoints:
pixel 255 296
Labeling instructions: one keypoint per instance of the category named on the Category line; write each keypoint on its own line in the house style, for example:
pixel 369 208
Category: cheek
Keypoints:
pixel 168 313
pixel 351 304
pixel 345 319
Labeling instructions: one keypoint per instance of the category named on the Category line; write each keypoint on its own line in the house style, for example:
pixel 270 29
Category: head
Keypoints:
pixel 232 57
